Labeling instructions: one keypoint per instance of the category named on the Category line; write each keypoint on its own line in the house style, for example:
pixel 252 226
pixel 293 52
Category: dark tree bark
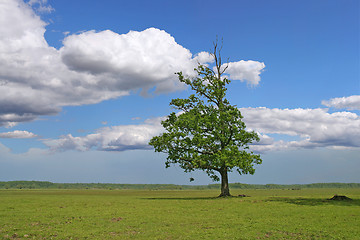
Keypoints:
pixel 225 192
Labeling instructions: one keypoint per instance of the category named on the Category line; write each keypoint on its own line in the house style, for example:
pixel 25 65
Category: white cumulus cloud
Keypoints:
pixel 129 61
pixel 312 127
pixel 315 127
pixel 248 71
pixel 349 103
pixel 17 134
pixel 37 79
pixel 115 138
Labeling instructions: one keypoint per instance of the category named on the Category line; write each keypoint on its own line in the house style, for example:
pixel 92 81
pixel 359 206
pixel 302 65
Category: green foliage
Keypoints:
pixel 208 132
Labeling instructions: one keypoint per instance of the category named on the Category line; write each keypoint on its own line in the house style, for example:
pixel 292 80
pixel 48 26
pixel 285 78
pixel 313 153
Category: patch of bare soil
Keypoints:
pixel 116 219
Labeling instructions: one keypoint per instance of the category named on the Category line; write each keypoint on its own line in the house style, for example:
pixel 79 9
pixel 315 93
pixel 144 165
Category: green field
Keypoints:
pixel 179 214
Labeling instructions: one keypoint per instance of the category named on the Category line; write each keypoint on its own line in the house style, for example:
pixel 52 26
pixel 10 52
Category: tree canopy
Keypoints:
pixel 207 132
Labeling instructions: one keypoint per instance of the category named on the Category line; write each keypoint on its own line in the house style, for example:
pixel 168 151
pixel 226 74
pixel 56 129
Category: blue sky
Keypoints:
pixel 84 84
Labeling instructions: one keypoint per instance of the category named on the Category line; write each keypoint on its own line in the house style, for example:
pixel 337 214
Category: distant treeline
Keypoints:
pixel 50 185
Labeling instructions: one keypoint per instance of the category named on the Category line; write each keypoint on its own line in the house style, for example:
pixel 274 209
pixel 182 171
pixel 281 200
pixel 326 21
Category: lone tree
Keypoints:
pixel 208 133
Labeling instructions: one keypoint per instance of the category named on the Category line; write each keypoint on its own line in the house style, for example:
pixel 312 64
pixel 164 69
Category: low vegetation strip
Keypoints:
pixel 50 185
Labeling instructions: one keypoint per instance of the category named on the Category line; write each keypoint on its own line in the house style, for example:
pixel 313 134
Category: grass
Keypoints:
pixel 178 214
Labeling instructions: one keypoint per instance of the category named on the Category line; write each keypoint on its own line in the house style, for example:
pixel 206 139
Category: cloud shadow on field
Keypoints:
pixel 314 201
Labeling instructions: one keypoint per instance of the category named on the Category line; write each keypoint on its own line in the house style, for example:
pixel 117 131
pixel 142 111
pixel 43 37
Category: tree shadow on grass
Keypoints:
pixel 314 201
pixel 191 198
pixel 180 198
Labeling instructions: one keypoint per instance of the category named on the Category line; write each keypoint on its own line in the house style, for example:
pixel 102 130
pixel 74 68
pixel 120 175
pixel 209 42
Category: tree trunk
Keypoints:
pixel 225 192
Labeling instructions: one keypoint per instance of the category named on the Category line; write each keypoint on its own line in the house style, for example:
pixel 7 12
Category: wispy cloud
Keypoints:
pixel 41 6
